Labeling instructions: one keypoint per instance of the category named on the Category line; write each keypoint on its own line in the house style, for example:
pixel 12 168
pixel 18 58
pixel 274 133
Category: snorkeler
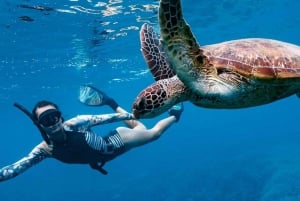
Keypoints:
pixel 73 141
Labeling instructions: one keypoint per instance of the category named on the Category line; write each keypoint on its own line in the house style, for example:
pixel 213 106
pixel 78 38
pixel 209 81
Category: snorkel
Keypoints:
pixel 35 122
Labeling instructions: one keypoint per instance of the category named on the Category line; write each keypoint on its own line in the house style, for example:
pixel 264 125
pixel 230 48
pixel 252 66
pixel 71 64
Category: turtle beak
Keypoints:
pixel 136 114
pixel 138 107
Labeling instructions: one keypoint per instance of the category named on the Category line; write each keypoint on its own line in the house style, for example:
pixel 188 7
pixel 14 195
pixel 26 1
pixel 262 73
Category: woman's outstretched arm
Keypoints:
pixel 39 153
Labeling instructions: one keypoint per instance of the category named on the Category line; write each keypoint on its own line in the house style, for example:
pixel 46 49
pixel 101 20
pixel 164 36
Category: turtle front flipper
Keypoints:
pixel 173 28
pixel 154 55
pixel 180 45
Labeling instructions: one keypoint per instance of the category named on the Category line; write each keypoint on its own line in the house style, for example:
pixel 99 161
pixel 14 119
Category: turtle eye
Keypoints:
pixel 200 59
pixel 140 105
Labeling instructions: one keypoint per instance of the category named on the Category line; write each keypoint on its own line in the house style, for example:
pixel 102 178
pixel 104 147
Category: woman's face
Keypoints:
pixel 50 120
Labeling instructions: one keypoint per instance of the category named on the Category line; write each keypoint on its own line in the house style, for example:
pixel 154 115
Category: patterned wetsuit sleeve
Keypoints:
pixel 83 122
pixel 35 156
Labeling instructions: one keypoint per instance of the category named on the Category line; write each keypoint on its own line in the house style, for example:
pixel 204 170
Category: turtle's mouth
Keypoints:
pixel 138 107
pixel 135 113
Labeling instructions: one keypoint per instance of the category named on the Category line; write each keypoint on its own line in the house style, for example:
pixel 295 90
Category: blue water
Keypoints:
pixel 210 155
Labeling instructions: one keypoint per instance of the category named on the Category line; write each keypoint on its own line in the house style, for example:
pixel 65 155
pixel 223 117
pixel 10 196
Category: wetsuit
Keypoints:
pixel 81 146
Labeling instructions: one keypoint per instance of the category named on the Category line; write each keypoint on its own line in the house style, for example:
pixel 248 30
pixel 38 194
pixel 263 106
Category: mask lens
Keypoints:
pixel 49 117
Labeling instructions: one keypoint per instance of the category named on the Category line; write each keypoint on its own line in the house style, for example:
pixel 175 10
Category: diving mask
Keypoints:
pixel 49 118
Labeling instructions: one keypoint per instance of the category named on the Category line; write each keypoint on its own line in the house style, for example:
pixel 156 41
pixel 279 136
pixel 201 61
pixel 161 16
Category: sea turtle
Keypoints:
pixel 233 74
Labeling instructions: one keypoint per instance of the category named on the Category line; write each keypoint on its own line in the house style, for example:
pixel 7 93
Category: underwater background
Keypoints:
pixel 49 48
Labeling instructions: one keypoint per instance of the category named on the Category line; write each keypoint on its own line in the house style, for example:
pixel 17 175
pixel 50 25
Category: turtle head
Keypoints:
pixel 158 98
pixel 150 102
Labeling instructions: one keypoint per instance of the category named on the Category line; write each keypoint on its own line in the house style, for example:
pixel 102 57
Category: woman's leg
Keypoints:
pixel 137 136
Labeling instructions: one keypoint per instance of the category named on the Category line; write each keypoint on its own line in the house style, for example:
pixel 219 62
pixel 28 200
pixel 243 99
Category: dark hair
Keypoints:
pixel 40 104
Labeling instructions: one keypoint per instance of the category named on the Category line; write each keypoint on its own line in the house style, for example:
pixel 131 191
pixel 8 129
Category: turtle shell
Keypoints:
pixel 258 58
